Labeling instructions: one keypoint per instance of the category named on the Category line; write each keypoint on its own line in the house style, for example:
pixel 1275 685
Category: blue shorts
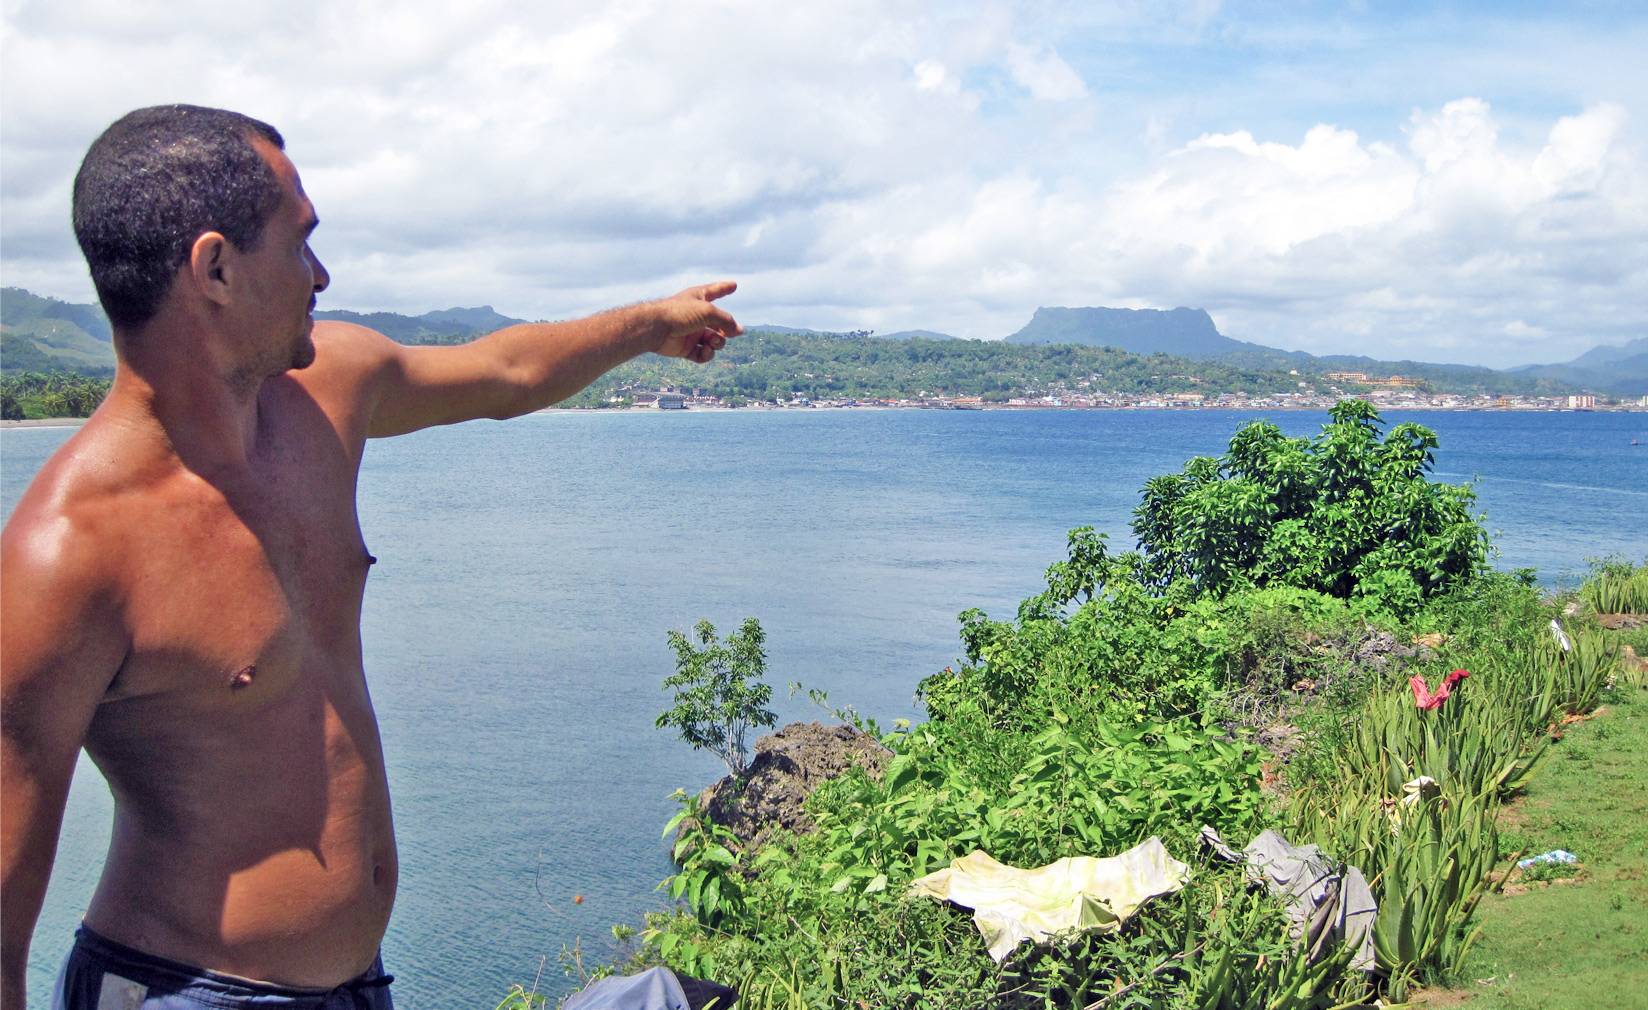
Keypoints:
pixel 100 974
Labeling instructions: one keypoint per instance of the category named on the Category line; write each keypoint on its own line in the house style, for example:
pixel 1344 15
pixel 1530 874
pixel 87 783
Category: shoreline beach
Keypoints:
pixel 45 422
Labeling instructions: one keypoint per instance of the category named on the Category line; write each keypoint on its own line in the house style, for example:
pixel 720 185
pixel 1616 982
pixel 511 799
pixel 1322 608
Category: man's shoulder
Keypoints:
pixel 347 358
pixel 348 342
pixel 77 514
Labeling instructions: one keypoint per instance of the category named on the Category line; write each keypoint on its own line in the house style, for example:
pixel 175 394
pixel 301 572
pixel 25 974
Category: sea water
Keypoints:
pixel 514 626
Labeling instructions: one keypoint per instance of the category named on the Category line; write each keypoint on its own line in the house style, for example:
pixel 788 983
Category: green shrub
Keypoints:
pixel 1497 611
pixel 1079 789
pixel 709 881
pixel 1346 514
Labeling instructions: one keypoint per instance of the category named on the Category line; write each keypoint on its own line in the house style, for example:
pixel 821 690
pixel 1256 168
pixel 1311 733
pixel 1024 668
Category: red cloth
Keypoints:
pixel 1422 695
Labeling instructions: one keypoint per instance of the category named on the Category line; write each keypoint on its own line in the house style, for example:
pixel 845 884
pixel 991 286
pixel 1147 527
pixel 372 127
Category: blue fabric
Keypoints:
pixel 100 974
pixel 653 989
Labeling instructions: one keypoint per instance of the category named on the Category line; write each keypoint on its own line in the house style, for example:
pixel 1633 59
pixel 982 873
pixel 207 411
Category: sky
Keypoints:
pixel 1461 182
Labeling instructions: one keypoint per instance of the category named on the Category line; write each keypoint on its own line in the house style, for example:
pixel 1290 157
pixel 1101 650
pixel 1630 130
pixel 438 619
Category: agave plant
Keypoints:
pixel 1618 589
pixel 1485 740
pixel 1583 671
pixel 1433 872
pixel 1243 959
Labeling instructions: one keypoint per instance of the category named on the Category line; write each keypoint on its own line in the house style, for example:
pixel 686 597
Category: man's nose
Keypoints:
pixel 322 278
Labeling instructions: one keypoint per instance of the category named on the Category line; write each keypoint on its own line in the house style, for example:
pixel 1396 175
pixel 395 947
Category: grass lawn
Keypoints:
pixel 1580 942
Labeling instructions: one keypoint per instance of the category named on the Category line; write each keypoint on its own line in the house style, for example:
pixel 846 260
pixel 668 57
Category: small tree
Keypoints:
pixel 719 691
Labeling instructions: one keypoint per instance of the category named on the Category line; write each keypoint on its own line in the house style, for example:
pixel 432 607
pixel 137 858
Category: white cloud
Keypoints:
pixel 1575 158
pixel 931 75
pixel 853 164
pixel 1042 73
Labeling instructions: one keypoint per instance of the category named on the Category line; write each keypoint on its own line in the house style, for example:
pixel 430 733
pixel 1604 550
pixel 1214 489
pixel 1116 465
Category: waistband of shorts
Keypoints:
pixel 206 985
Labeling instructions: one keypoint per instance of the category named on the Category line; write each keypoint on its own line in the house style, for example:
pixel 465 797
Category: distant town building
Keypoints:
pixel 1582 401
pixel 672 401
pixel 1345 376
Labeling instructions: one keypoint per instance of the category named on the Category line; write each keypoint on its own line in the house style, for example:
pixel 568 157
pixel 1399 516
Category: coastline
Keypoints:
pixel 1114 408
pixel 75 422
pixel 45 422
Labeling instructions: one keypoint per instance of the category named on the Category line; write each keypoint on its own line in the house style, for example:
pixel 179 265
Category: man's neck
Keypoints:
pixel 173 380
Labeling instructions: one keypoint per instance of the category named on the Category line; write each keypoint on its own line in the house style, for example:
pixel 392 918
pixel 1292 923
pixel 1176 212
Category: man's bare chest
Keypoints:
pixel 237 593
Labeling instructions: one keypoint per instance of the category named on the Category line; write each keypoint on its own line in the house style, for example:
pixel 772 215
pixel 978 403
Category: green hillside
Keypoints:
pixel 46 335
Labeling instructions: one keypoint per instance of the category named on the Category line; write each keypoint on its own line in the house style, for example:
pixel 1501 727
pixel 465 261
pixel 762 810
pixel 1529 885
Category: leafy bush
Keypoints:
pixel 709 881
pixel 1497 611
pixel 1346 514
pixel 1110 652
pixel 1078 789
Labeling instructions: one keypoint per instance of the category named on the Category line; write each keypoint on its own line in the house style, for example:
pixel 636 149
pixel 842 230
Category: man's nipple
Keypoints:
pixel 243 678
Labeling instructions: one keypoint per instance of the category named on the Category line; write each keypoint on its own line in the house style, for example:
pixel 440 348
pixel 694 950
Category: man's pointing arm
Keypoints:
pixel 524 368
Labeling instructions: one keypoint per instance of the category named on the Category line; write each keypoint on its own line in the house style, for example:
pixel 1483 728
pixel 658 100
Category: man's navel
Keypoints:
pixel 242 678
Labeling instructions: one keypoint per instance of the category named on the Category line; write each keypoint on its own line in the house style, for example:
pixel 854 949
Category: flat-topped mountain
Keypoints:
pixel 1185 333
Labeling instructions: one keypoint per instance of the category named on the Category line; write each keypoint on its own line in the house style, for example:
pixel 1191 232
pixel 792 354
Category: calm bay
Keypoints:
pixel 514 627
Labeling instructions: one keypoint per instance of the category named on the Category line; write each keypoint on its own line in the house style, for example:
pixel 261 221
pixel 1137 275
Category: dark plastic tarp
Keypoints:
pixel 653 989
pixel 1326 903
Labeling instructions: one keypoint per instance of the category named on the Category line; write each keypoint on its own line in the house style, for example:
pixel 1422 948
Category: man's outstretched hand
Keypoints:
pixel 693 326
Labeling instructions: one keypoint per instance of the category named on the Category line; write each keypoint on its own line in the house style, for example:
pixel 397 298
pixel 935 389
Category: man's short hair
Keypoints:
pixel 157 180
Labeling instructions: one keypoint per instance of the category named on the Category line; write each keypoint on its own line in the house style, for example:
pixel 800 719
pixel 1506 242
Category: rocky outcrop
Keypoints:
pixel 788 766
pixel 1380 649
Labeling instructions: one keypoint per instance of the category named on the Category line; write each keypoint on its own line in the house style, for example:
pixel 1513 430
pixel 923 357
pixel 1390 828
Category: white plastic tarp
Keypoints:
pixel 1076 893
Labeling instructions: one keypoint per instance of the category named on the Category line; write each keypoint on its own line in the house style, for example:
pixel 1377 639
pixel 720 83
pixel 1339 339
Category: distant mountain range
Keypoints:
pixel 802 331
pixel 1621 369
pixel 40 334
pixel 420 329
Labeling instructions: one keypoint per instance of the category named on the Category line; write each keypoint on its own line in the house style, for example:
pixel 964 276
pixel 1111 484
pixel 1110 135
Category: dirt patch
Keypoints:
pixel 1440 997
pixel 1622 622
pixel 788 766
pixel 1512 814
pixel 1283 739
pixel 1519 886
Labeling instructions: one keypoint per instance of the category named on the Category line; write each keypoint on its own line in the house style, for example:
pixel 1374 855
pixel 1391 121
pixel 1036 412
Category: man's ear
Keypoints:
pixel 211 267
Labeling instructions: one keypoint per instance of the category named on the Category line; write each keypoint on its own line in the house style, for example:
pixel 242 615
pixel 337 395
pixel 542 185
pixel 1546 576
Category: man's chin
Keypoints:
pixel 304 354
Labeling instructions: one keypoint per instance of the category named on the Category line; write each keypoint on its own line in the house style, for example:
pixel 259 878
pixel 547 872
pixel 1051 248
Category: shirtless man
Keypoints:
pixel 182 581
